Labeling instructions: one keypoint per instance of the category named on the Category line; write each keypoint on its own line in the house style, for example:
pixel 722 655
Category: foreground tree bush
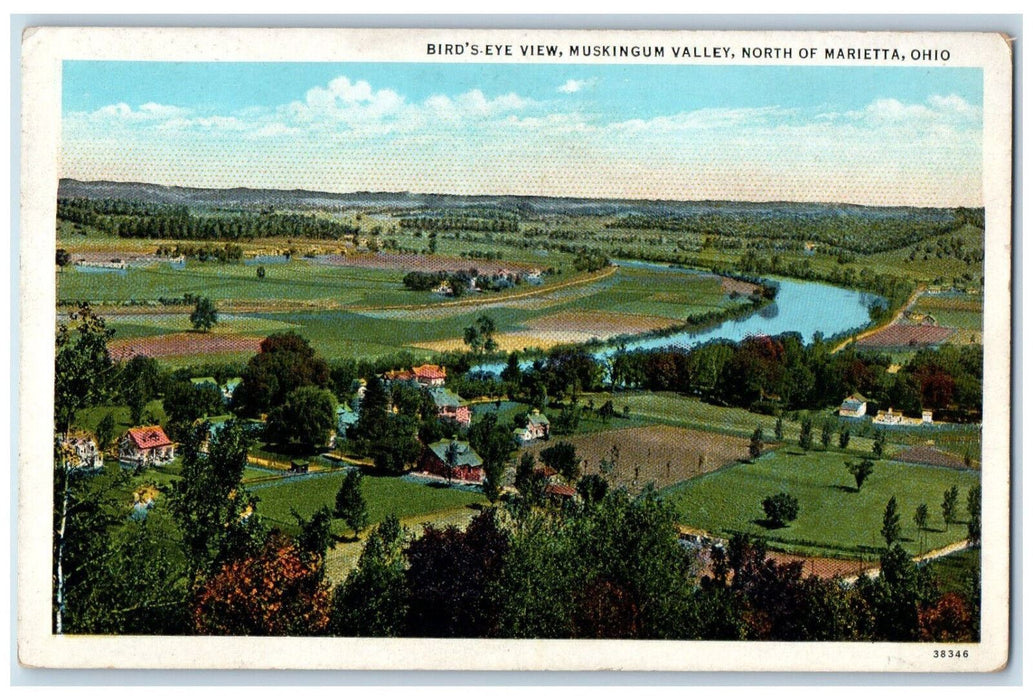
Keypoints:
pixel 276 592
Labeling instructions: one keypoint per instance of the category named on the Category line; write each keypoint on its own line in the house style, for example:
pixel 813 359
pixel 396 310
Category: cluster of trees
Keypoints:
pixel 855 230
pixel 459 281
pixel 767 373
pixel 226 253
pixel 590 261
pixel 613 568
pixel 146 220
pixel 492 221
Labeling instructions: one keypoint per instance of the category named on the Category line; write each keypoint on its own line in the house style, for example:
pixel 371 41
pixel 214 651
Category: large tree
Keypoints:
pixel 781 509
pixel 350 504
pixel 205 315
pixel 949 506
pixel 757 442
pixel 285 362
pixel 494 443
pixel 209 505
pixel 83 371
pixel 373 600
pixel 861 471
pixel 305 418
pixel 564 459
pixel 891 522
pixel 83 366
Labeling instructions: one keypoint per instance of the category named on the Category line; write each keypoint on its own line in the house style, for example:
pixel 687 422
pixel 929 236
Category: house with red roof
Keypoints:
pixel 146 446
pixel 430 375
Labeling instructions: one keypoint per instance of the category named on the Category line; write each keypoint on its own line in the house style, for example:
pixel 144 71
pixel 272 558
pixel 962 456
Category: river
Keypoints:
pixel 802 307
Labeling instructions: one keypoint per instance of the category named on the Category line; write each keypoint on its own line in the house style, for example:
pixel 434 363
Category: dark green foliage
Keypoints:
pixel 204 315
pixel 778 428
pixel 260 272
pixel 893 598
pixel 481 335
pixel 449 578
pixel 306 418
pixel 975 517
pixel 83 367
pixel 62 257
pixel 131 584
pixel 757 442
pixel 186 403
pixel 209 504
pixel 524 473
pixel 315 537
pixel 921 516
pixel 373 600
pixel 568 419
pixel 861 471
pixel 105 431
pixel 949 506
pixel 781 509
pixel 879 445
pixel 844 438
pixel 805 433
pixel 285 362
pixel 891 522
pixel 128 219
pixel 562 457
pixel 771 601
pixel 826 434
pixel 592 489
pixel 494 443
pixel 350 504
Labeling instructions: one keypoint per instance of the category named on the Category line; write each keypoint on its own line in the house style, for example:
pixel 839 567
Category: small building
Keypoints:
pixel 398 375
pixel 449 405
pixel 888 417
pixel 430 375
pixel 146 446
pixel 560 493
pixel 853 406
pixel 927 415
pixel 537 428
pixel 466 464
pixel 80 452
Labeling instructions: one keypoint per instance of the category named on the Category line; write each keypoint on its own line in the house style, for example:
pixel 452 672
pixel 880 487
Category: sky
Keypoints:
pixel 864 135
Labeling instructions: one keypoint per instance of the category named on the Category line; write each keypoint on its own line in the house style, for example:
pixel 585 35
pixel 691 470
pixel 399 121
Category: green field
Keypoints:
pixel 384 496
pixel 953 573
pixel 834 519
pixel 347 312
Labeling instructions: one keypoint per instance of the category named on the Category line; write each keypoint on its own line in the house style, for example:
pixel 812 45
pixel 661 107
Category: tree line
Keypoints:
pixel 859 232
pixel 137 220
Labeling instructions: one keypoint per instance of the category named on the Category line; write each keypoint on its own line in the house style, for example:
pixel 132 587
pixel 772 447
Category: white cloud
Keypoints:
pixel 936 111
pixel 572 86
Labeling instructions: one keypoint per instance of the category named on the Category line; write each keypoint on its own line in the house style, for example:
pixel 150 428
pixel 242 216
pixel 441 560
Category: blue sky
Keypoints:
pixel 865 135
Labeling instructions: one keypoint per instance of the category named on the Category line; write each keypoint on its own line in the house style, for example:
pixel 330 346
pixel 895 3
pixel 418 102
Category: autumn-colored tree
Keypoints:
pixel 947 620
pixel 276 592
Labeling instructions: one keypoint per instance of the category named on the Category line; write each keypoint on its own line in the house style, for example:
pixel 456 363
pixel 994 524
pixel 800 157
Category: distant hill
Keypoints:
pixel 246 198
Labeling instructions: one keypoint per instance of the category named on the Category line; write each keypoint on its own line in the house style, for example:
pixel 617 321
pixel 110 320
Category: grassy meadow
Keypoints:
pixel 834 519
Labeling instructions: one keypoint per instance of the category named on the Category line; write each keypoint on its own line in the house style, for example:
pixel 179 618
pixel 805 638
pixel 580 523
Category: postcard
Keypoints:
pixel 490 349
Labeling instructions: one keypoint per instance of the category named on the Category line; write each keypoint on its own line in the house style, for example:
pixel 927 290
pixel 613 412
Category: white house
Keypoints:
pixel 80 452
pixel 146 446
pixel 853 406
